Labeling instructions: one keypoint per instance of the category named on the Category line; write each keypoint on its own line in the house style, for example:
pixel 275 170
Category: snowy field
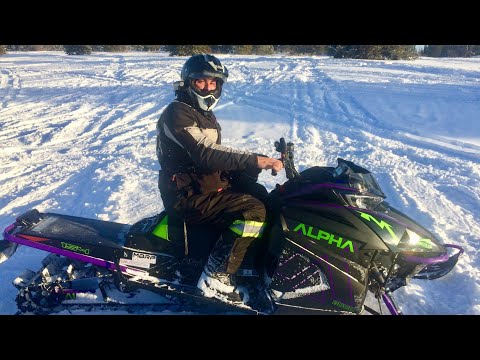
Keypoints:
pixel 77 137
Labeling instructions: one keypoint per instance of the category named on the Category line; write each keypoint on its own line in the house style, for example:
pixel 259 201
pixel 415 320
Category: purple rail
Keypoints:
pixel 434 260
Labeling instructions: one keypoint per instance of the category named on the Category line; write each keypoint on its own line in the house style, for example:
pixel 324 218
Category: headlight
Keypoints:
pixel 413 242
pixel 362 201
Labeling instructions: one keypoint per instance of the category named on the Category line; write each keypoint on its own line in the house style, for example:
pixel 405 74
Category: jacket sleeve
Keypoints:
pixel 180 126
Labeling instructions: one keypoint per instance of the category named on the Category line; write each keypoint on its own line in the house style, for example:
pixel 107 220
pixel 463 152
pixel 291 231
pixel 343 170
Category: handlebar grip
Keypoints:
pixel 274 173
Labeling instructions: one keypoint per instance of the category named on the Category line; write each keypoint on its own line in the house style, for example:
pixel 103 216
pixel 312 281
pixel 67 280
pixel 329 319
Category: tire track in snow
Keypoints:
pixel 424 158
pixel 11 85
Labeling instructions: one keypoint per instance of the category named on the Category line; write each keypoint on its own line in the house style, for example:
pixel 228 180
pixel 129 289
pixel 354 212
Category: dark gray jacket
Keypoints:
pixel 189 149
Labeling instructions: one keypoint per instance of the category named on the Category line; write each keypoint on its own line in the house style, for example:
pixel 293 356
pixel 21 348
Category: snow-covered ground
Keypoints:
pixel 77 137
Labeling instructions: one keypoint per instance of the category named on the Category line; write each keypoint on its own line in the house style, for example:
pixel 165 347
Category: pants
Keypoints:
pixel 241 216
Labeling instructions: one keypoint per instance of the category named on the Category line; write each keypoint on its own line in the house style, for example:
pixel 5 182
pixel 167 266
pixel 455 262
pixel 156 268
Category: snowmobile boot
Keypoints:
pixel 255 293
pixel 215 281
pixel 220 286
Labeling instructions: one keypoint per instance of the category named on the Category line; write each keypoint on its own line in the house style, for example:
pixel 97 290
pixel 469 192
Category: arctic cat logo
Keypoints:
pixel 75 248
pixel 324 235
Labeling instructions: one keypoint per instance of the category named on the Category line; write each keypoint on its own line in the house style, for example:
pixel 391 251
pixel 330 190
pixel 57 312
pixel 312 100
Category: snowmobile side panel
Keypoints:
pixel 78 229
pixel 49 246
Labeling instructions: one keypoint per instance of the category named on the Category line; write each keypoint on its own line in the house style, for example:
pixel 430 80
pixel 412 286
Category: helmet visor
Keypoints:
pixel 208 74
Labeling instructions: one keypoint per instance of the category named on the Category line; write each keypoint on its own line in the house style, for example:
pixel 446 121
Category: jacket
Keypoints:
pixel 190 153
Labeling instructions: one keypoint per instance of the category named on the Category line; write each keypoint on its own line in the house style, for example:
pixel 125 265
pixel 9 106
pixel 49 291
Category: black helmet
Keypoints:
pixel 199 67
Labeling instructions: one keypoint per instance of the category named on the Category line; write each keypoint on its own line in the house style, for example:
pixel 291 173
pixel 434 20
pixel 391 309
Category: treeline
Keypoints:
pixel 337 51
pixel 451 50
pixel 374 52
pixel 379 52
pixel 87 49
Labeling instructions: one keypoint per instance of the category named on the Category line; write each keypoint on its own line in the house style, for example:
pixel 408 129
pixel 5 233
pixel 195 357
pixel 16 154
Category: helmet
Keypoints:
pixel 199 67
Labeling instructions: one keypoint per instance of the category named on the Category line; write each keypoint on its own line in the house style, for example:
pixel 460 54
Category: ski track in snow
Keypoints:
pixel 78 137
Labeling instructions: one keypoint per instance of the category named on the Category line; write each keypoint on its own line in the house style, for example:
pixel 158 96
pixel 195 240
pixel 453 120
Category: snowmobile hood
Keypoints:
pixel 399 232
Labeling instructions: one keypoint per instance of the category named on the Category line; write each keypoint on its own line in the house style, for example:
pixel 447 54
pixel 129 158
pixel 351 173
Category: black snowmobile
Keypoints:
pixel 330 238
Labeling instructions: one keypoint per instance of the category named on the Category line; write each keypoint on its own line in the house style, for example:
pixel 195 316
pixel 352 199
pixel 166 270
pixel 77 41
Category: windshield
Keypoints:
pixel 357 178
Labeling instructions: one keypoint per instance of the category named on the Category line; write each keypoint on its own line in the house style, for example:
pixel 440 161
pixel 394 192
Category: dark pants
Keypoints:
pixel 220 209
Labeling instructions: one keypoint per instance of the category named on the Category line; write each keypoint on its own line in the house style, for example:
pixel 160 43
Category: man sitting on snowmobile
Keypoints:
pixel 201 180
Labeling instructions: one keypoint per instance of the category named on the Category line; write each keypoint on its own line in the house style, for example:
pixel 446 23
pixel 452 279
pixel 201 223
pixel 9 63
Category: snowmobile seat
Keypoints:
pixel 164 233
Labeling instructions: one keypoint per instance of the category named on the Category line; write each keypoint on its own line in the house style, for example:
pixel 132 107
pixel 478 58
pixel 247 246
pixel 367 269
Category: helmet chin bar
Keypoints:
pixel 207 102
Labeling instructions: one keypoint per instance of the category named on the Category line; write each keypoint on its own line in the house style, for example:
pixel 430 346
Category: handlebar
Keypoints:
pixel 281 147
pixel 286 157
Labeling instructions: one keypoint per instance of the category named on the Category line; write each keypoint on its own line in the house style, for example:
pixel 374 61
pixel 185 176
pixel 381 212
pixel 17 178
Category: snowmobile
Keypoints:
pixel 330 239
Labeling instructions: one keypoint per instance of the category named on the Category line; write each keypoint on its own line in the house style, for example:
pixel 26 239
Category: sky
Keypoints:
pixel 78 135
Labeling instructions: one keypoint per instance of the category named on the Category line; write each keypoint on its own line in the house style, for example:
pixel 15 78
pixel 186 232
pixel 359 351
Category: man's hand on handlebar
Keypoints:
pixel 266 163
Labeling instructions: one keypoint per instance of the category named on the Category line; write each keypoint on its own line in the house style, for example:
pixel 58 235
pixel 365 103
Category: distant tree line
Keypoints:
pixel 374 52
pixel 381 52
pixel 393 52
pixel 187 50
pixel 112 48
pixel 451 50
pixel 34 47
pixel 83 49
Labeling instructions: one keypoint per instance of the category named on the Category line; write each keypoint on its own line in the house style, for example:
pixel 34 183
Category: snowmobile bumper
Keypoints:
pixel 438 266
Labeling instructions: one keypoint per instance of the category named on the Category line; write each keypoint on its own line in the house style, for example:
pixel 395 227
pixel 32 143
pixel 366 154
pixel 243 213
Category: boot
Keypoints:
pixel 255 293
pixel 215 281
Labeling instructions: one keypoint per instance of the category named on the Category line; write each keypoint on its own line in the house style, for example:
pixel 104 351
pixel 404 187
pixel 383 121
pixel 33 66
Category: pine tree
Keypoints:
pixel 38 47
pixel 243 49
pixel 375 52
pixel 458 50
pixel 19 47
pixel 53 47
pixel 343 51
pixel 187 50
pixel 3 49
pixel 331 50
pixel 263 49
pixel 98 48
pixel 77 49
pixel 221 49
pixel 283 49
pixel 116 48
pixel 308 49
pixel 433 50
pixel 151 48
pixel 401 52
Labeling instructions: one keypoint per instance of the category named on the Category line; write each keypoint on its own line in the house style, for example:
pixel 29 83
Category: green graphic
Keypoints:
pixel 162 229
pixel 75 248
pixel 381 224
pixel 425 243
pixel 318 234
pixel 343 306
pixel 422 242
